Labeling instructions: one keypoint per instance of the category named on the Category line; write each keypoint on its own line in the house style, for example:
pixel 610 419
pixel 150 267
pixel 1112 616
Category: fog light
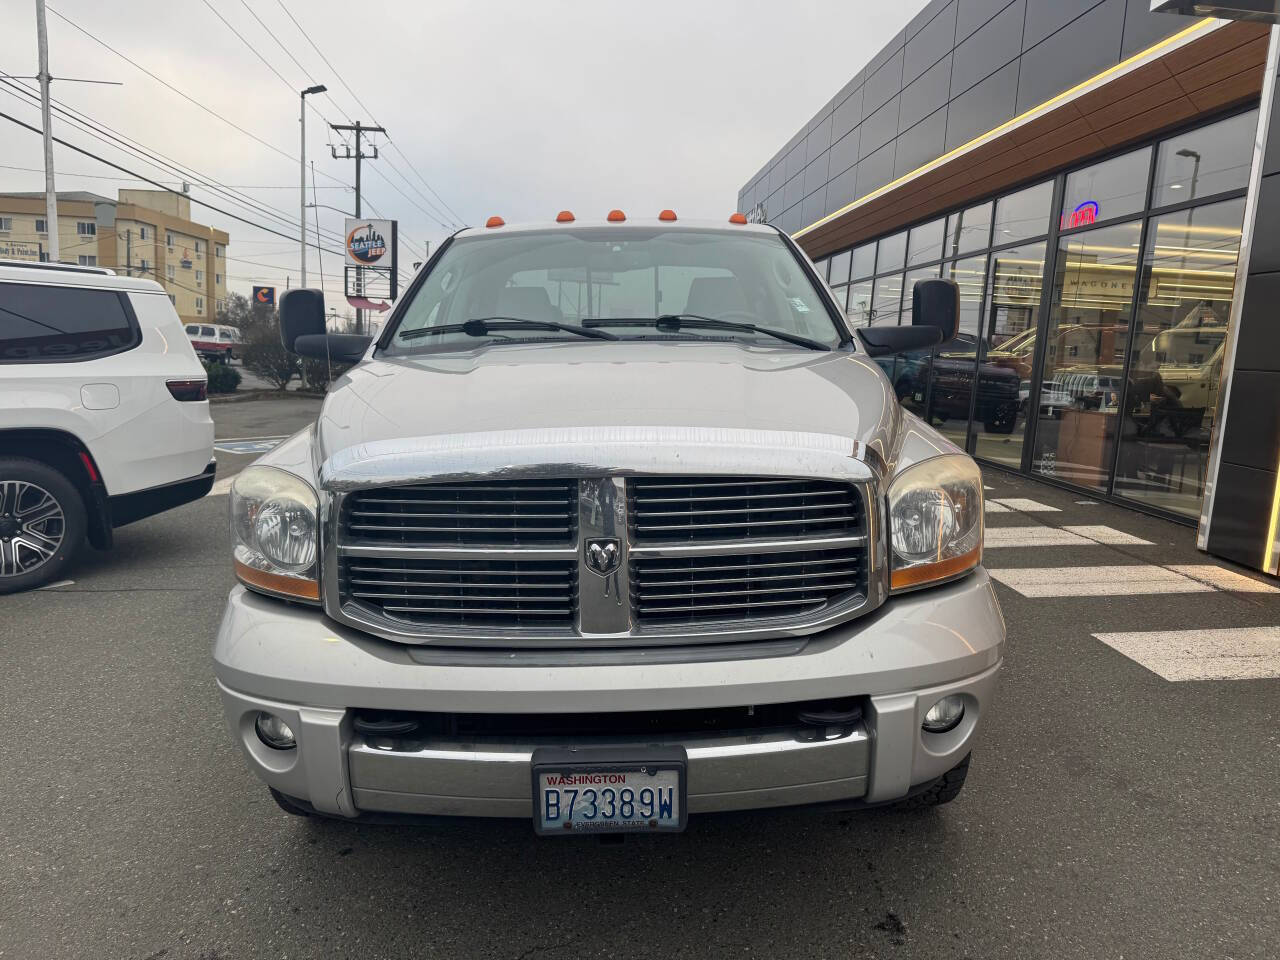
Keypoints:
pixel 274 732
pixel 943 715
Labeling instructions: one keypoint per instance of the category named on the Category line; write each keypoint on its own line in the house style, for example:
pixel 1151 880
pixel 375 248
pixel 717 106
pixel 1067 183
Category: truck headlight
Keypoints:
pixel 275 533
pixel 935 521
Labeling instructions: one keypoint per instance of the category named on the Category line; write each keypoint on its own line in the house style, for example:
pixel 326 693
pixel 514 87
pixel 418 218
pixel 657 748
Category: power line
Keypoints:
pixel 185 96
pixel 155 183
pixel 361 104
pixel 105 134
pixel 103 176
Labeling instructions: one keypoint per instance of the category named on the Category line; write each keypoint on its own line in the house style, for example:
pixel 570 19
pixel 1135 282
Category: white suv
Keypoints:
pixel 103 414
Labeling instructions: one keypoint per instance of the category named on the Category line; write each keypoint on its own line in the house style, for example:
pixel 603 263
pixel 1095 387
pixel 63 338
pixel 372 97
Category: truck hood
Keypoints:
pixel 628 407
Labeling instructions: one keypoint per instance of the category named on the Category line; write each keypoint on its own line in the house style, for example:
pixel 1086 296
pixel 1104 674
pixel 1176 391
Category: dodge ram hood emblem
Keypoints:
pixel 603 555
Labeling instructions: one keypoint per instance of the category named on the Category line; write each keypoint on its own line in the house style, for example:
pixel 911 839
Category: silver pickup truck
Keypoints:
pixel 615 523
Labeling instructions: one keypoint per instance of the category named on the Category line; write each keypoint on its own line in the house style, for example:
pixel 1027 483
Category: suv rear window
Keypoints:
pixel 43 324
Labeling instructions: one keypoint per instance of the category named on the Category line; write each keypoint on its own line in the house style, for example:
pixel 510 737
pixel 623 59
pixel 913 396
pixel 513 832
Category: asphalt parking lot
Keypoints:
pixel 1121 805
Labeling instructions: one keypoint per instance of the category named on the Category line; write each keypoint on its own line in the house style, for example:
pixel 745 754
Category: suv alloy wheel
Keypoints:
pixel 42 523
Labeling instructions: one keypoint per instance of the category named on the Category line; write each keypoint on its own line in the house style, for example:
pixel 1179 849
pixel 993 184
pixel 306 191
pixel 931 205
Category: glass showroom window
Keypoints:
pixel 859 308
pixel 1207 161
pixel 893 252
pixel 1009 344
pixel 1085 351
pixel 969 230
pixel 839 269
pixel 886 298
pixel 1023 215
pixel 925 243
pixel 909 372
pixel 1107 190
pixel 1188 277
pixel 864 261
pixel 951 380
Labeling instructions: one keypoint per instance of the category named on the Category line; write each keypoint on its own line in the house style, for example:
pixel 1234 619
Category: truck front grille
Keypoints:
pixel 700 509
pixel 744 587
pixel 463 593
pixel 503 513
pixel 515 563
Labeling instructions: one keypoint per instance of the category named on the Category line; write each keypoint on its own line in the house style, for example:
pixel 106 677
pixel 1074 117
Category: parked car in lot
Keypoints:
pixel 103 416
pixel 613 524
pixel 215 341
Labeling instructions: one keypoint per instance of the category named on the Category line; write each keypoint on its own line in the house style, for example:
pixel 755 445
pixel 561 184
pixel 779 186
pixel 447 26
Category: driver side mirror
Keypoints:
pixel 302 330
pixel 301 315
pixel 935 317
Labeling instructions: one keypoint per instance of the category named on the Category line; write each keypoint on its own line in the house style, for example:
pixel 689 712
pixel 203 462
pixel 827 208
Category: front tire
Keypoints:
pixel 42 523
pixel 943 790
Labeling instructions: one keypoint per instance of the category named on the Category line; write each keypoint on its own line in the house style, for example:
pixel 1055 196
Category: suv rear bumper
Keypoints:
pixel 296 663
pixel 127 507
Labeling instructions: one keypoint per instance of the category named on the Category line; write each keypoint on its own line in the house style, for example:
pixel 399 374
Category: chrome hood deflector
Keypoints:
pixel 568 410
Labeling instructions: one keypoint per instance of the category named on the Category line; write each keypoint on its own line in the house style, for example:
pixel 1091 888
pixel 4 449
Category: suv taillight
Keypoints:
pixel 188 390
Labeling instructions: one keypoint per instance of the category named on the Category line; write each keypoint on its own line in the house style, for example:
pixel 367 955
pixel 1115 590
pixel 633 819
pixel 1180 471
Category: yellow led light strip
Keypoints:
pixel 1201 26
pixel 1269 552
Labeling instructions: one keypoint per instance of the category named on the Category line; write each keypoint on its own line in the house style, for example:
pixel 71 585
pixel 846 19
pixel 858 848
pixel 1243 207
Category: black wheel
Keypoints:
pixel 943 790
pixel 42 523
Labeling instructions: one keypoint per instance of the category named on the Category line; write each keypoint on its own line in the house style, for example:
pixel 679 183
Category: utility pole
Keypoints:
pixel 357 155
pixel 128 253
pixel 302 165
pixel 50 192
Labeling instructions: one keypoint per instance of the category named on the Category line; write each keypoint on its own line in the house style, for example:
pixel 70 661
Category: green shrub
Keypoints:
pixel 315 374
pixel 223 378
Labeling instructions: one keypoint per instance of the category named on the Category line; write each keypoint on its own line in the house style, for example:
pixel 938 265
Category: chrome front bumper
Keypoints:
pixel 296 663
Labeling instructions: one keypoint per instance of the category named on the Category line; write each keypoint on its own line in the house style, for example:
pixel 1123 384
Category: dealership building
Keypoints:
pixel 1089 173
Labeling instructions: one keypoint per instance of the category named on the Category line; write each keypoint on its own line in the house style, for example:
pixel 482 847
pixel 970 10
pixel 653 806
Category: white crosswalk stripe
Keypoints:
pixel 1023 505
pixel 1041 536
pixel 1233 653
pixel 996 537
pixel 1101 581
pixel 1101 533
pixel 1222 578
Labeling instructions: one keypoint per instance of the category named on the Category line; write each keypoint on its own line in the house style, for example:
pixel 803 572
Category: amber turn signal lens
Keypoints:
pixel 931 572
pixel 616 216
pixel 564 216
pixel 278 583
pixel 737 218
pixel 667 215
pixel 495 222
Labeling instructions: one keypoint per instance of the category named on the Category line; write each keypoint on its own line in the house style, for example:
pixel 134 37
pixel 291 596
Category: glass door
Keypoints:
pixel 1085 354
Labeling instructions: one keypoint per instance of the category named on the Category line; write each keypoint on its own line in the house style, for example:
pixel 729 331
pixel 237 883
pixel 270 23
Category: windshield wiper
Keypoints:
pixel 673 322
pixel 483 326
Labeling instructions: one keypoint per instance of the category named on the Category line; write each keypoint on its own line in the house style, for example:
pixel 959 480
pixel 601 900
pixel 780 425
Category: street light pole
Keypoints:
pixel 50 192
pixel 302 156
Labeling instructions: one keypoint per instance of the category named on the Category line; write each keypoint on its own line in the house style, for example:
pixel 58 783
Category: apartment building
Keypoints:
pixel 142 233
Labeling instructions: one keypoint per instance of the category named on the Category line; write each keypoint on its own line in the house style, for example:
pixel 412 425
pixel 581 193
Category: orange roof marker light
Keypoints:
pixel 616 216
pixel 667 215
pixel 737 218
pixel 495 222
pixel 564 216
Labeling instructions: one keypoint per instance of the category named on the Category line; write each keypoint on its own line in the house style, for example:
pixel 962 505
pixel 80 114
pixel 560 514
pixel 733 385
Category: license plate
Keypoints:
pixel 605 790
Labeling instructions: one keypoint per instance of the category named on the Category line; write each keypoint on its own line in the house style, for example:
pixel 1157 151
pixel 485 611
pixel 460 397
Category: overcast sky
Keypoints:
pixel 515 108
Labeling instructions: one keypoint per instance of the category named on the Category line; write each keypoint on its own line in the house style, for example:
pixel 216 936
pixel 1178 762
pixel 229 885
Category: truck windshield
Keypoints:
pixel 590 277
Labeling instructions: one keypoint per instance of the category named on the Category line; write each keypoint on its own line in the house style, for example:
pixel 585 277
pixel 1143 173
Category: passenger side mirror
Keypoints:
pixel 935 317
pixel 936 303
pixel 301 314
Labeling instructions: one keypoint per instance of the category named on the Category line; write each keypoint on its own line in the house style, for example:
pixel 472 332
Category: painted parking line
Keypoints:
pixel 1100 533
pixel 1022 505
pixel 1233 653
pixel 1223 578
pixel 1103 581
pixel 993 507
pixel 249 445
pixel 996 537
